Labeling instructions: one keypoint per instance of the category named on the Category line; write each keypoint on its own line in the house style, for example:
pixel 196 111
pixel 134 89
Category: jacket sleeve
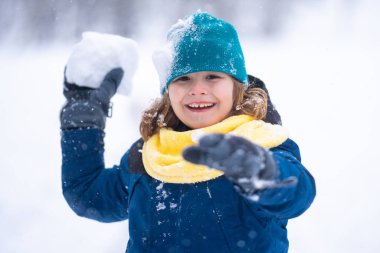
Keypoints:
pixel 91 190
pixel 292 200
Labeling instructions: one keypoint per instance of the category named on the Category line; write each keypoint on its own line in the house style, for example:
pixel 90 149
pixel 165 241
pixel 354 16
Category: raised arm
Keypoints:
pixel 91 190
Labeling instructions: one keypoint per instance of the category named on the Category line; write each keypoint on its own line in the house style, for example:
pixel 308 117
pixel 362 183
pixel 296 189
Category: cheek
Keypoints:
pixel 226 94
pixel 174 97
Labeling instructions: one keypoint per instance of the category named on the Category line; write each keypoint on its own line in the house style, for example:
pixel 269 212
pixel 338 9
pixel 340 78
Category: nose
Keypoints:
pixel 198 87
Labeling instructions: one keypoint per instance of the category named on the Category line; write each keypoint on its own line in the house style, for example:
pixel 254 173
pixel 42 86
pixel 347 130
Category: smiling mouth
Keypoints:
pixel 200 106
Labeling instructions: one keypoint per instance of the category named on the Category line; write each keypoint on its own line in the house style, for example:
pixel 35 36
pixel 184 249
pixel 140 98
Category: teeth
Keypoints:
pixel 200 105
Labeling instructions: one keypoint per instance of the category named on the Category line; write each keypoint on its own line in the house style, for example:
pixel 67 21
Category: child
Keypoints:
pixel 209 174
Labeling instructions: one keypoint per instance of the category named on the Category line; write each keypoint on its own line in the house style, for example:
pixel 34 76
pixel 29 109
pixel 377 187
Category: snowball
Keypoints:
pixel 96 54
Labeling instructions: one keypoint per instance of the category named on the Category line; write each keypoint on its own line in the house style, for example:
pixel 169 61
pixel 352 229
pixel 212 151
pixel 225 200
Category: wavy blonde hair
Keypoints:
pixel 250 101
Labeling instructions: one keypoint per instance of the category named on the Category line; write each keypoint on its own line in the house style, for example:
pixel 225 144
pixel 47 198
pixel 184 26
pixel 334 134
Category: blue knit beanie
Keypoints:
pixel 202 42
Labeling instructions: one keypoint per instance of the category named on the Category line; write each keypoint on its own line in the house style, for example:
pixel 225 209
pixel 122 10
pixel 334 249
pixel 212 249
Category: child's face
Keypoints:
pixel 202 99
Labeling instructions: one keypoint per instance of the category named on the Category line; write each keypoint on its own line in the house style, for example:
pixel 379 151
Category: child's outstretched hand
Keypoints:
pixel 246 164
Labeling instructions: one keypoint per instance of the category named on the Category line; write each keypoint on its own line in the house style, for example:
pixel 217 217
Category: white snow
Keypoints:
pixel 323 76
pixel 161 120
pixel 98 53
pixel 197 135
pixel 159 187
pixel 177 30
pixel 173 205
pixel 209 193
pixel 163 57
pixel 160 206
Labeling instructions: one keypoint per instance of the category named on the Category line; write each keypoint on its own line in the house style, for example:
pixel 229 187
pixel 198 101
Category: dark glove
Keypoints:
pixel 88 107
pixel 246 164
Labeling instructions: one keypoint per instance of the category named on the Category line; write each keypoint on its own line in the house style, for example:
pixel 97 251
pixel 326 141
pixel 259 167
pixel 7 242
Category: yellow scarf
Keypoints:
pixel 162 152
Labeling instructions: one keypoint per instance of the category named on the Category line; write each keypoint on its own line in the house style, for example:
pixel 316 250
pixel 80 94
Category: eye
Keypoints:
pixel 182 79
pixel 212 76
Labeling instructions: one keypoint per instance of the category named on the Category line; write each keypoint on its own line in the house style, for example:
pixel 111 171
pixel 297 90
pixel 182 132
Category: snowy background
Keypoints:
pixel 322 70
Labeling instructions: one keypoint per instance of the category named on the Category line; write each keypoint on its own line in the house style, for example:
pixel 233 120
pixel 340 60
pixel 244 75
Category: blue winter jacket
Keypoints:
pixel 201 217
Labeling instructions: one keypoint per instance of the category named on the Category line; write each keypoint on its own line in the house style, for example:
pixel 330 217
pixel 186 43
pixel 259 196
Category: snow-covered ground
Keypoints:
pixel 323 76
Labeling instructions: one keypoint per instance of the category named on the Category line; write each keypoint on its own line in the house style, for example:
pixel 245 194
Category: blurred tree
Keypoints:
pixel 47 20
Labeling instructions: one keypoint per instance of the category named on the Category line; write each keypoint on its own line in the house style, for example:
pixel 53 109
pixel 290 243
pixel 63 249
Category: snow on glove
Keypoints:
pixel 248 165
pixel 98 53
pixel 88 107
